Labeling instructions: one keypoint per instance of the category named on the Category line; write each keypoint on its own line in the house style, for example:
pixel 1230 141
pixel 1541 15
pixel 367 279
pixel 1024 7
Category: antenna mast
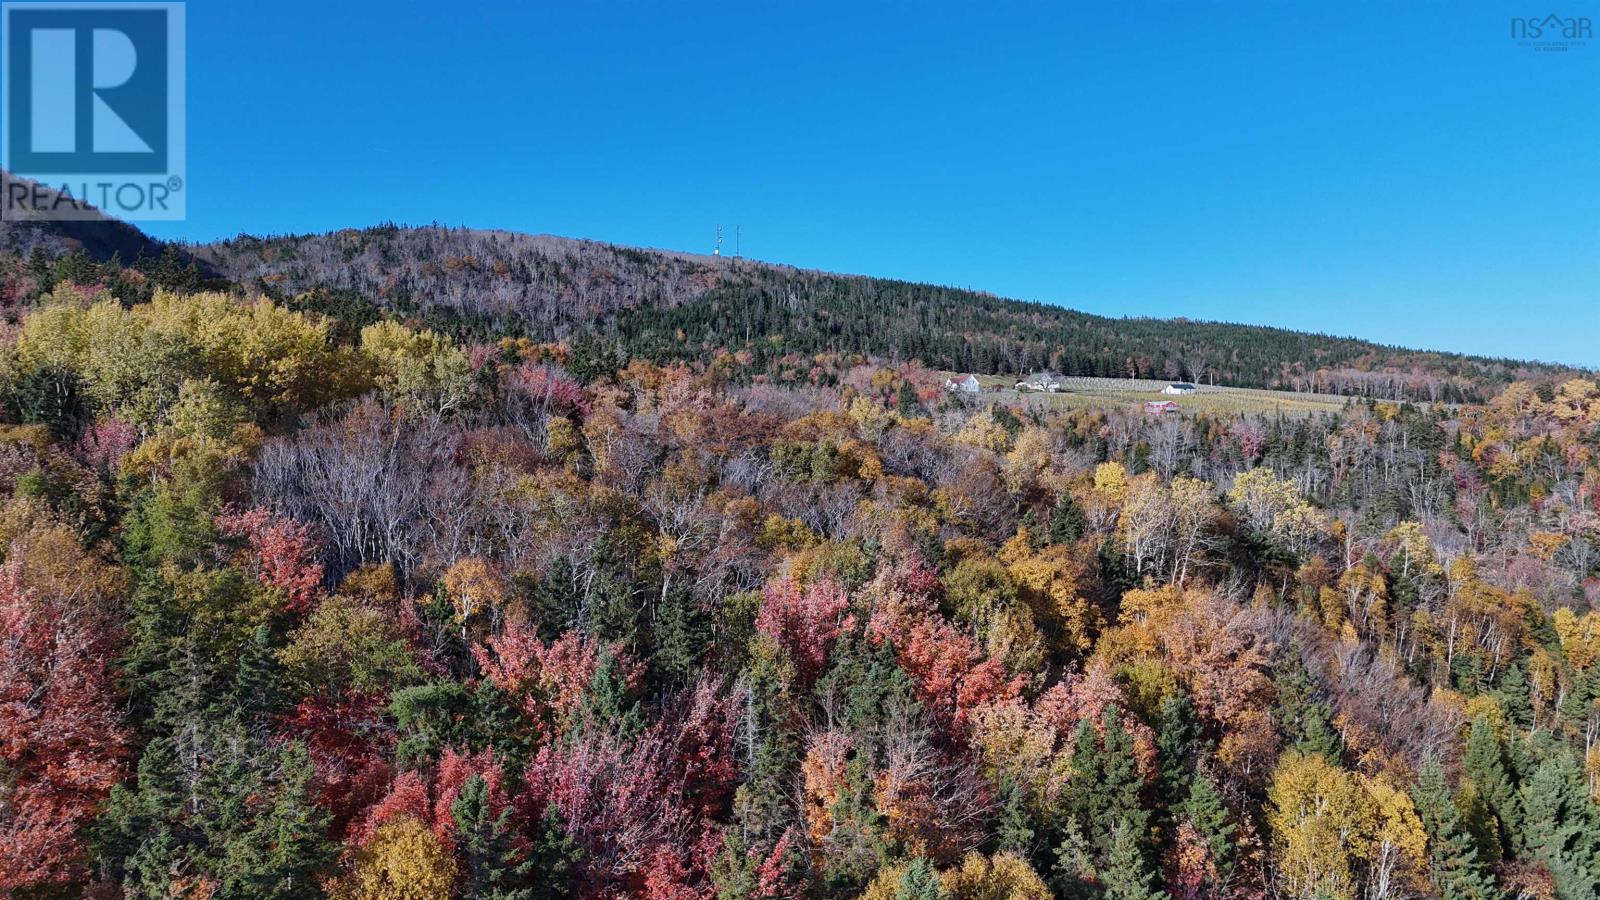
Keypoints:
pixel 737 232
pixel 718 251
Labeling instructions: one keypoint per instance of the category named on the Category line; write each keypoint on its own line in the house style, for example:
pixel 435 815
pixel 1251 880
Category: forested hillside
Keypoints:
pixel 480 284
pixel 664 306
pixel 302 598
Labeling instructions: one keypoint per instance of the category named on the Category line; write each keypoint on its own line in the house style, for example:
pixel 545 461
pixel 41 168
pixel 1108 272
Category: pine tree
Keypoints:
pixel 551 860
pixel 1485 765
pixel 492 870
pixel 1106 796
pixel 1203 807
pixel 920 882
pixel 1067 522
pixel 1453 861
pixel 1014 831
pixel 1562 826
pixel 286 846
pixel 1127 874
pixel 1513 696
pixel 1301 715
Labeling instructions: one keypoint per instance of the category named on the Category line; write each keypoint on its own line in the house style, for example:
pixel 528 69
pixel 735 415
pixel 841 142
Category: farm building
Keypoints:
pixel 1049 382
pixel 1179 387
pixel 1157 407
pixel 966 385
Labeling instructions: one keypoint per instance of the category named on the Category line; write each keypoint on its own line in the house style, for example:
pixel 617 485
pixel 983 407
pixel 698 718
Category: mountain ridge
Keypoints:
pixel 675 305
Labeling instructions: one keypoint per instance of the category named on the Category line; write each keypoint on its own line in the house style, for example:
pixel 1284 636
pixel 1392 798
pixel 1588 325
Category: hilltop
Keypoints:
pixel 665 305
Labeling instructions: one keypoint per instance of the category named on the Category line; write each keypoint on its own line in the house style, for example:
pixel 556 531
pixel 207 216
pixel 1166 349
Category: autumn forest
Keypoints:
pixel 432 564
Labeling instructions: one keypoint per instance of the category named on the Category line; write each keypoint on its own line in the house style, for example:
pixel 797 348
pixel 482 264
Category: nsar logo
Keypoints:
pixel 1552 33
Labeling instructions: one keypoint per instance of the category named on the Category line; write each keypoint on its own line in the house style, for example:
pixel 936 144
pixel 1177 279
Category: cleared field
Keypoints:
pixel 1107 392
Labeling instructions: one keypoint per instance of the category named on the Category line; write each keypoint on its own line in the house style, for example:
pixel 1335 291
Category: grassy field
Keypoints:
pixel 1127 392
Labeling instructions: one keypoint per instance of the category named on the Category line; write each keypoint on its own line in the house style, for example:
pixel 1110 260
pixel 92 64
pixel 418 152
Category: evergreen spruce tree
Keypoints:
pixel 761 805
pixel 865 684
pixel 680 636
pixel 1300 713
pixel 1109 796
pixel 1578 704
pixel 1485 764
pixel 607 703
pixel 557 598
pixel 1037 537
pixel 551 860
pixel 1513 696
pixel 1067 522
pixel 492 866
pixel 257 688
pixel 1127 873
pixel 920 882
pixel 131 833
pixel 1203 807
pixel 1014 831
pixel 285 846
pixel 1176 739
pixel 1453 861
pixel 494 721
pixel 907 403
pixel 1479 822
pixel 1562 829
pixel 1075 872
pixel 860 832
pixel 428 718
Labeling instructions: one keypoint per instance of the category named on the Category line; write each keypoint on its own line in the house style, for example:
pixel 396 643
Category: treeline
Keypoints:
pixel 659 305
pixel 302 607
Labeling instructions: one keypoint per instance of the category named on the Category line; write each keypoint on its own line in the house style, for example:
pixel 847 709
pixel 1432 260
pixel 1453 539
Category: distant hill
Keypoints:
pixel 101 238
pixel 665 305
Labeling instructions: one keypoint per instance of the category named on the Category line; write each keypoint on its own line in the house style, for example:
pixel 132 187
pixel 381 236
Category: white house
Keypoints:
pixel 967 385
pixel 1049 382
pixel 1179 387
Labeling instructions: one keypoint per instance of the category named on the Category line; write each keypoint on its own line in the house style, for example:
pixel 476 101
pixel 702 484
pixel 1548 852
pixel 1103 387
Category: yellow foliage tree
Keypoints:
pixel 1416 553
pixel 1580 636
pixel 1048 581
pixel 1398 844
pixel 1273 506
pixel 404 861
pixel 426 369
pixel 473 587
pixel 1335 833
pixel 1026 469
pixel 983 431
pixel 1321 823
pixel 1003 876
pixel 1111 482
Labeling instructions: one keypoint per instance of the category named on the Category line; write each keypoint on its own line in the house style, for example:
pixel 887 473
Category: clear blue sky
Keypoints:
pixel 1402 172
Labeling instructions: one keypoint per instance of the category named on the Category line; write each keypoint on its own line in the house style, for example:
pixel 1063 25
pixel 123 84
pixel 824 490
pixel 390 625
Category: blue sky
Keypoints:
pixel 1401 172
